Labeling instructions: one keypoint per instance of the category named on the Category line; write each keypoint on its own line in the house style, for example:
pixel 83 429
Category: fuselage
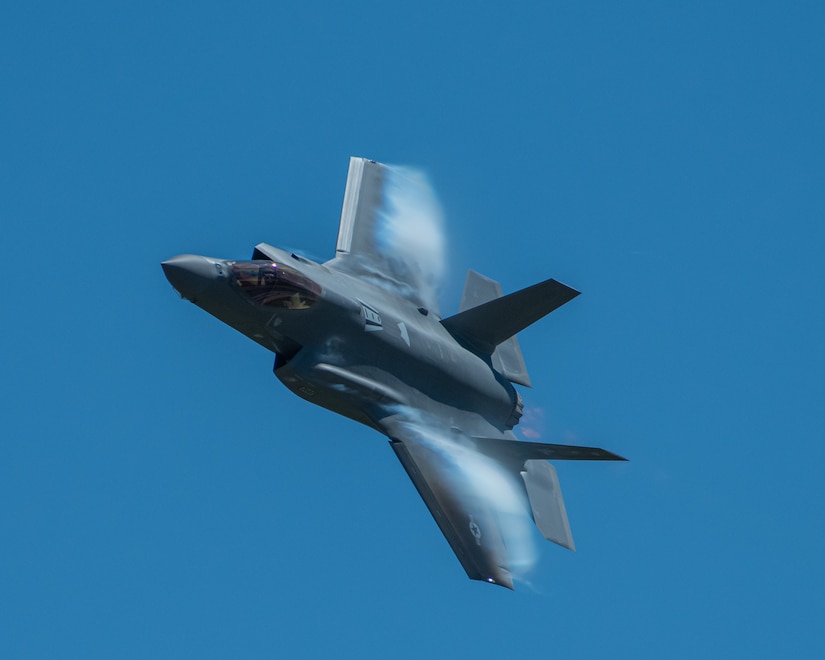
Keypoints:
pixel 347 343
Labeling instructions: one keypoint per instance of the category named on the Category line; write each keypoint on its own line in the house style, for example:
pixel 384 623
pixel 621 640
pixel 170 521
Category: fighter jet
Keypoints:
pixel 361 335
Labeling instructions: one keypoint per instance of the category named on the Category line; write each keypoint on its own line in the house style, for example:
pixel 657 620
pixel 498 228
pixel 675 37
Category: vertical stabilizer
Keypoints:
pixel 507 358
pixel 544 493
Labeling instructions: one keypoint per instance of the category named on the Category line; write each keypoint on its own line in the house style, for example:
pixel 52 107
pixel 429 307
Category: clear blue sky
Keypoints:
pixel 162 495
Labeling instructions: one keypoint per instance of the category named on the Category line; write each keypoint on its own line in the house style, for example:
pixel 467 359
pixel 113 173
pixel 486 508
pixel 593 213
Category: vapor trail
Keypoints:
pixel 410 231
pixel 484 480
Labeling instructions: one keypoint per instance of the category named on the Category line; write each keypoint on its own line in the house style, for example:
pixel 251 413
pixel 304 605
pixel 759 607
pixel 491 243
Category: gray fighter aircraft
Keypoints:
pixel 361 336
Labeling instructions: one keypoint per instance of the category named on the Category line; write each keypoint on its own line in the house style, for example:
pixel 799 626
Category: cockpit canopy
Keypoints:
pixel 274 285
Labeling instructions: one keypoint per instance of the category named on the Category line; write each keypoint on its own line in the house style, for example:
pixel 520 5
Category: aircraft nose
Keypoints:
pixel 189 274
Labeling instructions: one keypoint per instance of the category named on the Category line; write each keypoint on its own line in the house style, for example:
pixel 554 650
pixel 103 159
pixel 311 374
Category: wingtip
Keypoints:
pixel 605 455
pixel 502 581
pixel 569 290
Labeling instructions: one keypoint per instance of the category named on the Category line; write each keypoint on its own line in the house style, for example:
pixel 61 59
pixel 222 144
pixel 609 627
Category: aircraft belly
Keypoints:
pixel 394 341
pixel 456 385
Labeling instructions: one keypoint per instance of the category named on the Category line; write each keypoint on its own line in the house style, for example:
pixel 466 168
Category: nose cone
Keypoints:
pixel 190 274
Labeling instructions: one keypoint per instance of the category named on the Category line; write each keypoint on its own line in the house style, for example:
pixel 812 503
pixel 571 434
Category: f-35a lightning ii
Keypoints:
pixel 361 336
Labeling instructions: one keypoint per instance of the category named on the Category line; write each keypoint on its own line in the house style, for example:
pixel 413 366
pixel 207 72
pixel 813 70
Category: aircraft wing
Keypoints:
pixel 465 519
pixel 479 491
pixel 391 230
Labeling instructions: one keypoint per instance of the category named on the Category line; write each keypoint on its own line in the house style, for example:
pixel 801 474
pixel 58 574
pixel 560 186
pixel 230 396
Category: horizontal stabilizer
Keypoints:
pixel 517 452
pixel 487 325
pixel 544 493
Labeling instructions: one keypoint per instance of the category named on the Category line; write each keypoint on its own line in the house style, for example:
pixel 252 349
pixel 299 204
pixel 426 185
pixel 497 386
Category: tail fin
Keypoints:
pixel 489 321
pixel 507 357
pixel 547 503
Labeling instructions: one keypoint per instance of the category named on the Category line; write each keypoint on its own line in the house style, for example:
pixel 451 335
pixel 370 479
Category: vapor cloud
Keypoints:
pixel 482 479
pixel 411 230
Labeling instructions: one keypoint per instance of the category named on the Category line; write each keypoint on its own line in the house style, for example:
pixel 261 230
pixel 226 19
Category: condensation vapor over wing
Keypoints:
pixel 483 481
pixel 410 230
pixel 392 231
